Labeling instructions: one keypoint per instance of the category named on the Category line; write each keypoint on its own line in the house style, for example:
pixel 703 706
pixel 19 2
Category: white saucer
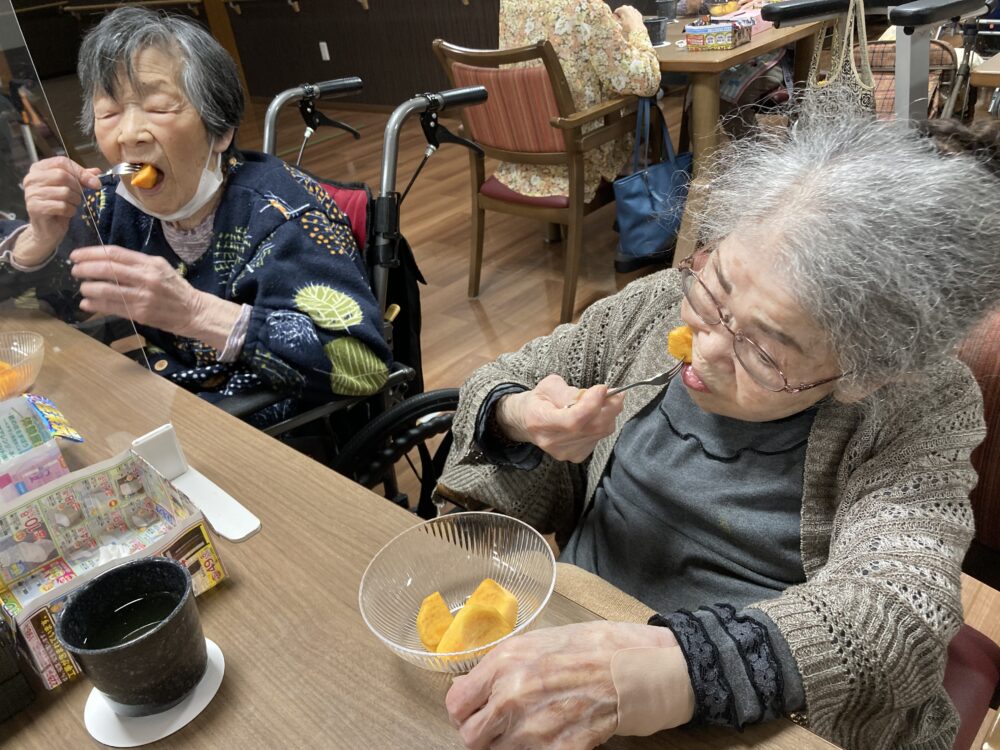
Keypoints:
pixel 109 728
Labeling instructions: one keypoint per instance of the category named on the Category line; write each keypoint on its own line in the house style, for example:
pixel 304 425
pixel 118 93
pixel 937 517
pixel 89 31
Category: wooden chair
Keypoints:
pixel 941 75
pixel 972 674
pixel 530 118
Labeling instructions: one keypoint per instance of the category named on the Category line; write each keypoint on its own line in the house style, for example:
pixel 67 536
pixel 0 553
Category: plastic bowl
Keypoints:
pixel 453 554
pixel 21 353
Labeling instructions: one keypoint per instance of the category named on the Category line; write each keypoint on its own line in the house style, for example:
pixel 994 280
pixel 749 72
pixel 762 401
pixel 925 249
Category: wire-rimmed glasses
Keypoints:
pixel 758 363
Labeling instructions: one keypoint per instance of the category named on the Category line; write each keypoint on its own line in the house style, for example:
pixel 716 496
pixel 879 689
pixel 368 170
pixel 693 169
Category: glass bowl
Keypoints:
pixel 453 554
pixel 21 355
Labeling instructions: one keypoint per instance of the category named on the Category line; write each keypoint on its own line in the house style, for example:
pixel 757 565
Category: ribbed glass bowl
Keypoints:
pixel 21 353
pixel 453 554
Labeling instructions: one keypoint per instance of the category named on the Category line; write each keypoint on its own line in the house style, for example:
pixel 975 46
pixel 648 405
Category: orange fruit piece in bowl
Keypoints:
pixel 8 380
pixel 679 343
pixel 433 620
pixel 492 594
pixel 475 625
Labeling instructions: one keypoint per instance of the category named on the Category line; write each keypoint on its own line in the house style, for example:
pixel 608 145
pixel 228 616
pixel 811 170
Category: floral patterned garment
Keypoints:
pixel 600 61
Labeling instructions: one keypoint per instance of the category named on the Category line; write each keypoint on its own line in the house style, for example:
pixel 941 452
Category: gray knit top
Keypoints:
pixel 885 517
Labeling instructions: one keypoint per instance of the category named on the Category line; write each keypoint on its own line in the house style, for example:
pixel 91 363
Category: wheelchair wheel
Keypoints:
pixel 415 434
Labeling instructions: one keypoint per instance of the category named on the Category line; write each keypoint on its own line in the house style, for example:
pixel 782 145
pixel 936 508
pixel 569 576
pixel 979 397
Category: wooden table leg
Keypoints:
pixel 803 57
pixel 704 139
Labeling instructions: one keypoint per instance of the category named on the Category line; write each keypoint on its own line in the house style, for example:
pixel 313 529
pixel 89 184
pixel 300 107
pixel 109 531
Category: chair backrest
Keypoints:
pixel 981 352
pixel 527 88
pixel 882 58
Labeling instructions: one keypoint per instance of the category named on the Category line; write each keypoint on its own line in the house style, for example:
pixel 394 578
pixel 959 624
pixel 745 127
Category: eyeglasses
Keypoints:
pixel 759 364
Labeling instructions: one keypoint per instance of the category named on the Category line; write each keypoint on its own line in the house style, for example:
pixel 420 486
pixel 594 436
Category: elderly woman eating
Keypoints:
pixel 794 505
pixel 240 271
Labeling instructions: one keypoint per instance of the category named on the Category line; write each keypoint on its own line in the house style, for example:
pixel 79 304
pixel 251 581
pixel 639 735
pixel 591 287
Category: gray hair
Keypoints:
pixel 209 77
pixel 891 246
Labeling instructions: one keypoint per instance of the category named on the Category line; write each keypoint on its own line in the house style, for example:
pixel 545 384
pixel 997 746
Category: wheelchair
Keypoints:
pixel 364 438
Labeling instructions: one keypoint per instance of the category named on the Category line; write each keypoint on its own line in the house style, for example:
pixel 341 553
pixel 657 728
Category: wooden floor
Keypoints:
pixel 521 285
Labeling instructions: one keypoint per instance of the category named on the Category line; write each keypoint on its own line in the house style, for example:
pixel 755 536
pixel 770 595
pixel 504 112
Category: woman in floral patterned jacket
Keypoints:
pixel 603 55
pixel 239 270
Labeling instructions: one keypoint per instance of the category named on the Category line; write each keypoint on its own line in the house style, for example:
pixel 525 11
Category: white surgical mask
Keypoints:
pixel 208 186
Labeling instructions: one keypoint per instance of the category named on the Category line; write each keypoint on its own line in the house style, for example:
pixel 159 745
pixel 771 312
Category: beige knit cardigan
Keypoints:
pixel 885 520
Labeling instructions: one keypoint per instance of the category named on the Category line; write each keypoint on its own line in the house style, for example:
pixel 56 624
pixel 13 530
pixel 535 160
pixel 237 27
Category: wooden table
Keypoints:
pixel 987 75
pixel 704 69
pixel 302 669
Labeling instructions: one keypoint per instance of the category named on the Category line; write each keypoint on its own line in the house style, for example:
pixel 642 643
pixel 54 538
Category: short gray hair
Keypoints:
pixel 890 245
pixel 209 77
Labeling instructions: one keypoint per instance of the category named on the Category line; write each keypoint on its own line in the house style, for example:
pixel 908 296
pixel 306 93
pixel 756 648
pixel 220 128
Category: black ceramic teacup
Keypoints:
pixel 135 631
pixel 657 28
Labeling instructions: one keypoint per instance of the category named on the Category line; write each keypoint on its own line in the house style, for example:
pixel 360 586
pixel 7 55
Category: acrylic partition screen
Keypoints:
pixel 240 275
pixel 104 383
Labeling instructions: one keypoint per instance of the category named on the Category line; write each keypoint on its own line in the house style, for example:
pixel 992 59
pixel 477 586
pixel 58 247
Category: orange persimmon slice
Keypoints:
pixel 8 380
pixel 679 343
pixel 433 620
pixel 145 178
pixel 475 625
pixel 492 594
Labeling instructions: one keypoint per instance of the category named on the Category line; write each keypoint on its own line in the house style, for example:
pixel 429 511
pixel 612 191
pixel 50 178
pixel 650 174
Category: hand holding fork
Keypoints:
pixel 659 379
pixel 52 196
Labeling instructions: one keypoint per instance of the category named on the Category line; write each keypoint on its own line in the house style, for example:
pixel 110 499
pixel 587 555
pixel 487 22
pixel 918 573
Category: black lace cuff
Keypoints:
pixel 735 668
pixel 759 659
pixel 713 695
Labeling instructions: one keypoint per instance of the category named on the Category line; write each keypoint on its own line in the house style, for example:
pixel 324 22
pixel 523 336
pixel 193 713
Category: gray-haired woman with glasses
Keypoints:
pixel 794 505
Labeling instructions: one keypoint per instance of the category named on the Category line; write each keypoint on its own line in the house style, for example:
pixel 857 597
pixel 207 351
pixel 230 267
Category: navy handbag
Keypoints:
pixel 650 201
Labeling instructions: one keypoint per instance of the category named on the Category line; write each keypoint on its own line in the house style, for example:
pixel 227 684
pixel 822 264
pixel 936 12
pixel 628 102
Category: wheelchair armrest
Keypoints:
pixel 792 12
pixel 927 12
pixel 242 405
pixel 464 502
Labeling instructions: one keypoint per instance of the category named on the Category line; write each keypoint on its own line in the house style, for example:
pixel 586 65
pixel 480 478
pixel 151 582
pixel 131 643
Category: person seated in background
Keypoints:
pixel 239 269
pixel 794 505
pixel 603 55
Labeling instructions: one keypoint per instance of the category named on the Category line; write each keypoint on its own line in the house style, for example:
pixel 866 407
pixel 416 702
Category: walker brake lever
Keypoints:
pixel 436 133
pixel 313 118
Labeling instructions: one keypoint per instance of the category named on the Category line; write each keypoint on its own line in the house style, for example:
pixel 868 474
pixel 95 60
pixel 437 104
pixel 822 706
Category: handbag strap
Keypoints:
pixel 644 114
pixel 848 31
pixel 641 124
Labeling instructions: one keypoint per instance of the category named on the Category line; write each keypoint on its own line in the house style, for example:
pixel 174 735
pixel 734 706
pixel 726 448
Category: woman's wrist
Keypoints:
pixel 506 420
pixel 28 252
pixel 213 320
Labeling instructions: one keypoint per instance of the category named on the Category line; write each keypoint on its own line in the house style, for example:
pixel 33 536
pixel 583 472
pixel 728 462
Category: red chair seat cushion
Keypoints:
pixel 495 189
pixel 970 678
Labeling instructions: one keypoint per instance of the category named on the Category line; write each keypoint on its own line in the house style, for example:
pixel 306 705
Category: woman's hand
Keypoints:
pixel 148 289
pixel 540 417
pixel 550 688
pixel 52 196
pixel 629 19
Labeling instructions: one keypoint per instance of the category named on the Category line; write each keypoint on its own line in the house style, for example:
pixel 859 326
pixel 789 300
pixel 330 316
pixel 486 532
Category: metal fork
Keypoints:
pixel 122 169
pixel 660 379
